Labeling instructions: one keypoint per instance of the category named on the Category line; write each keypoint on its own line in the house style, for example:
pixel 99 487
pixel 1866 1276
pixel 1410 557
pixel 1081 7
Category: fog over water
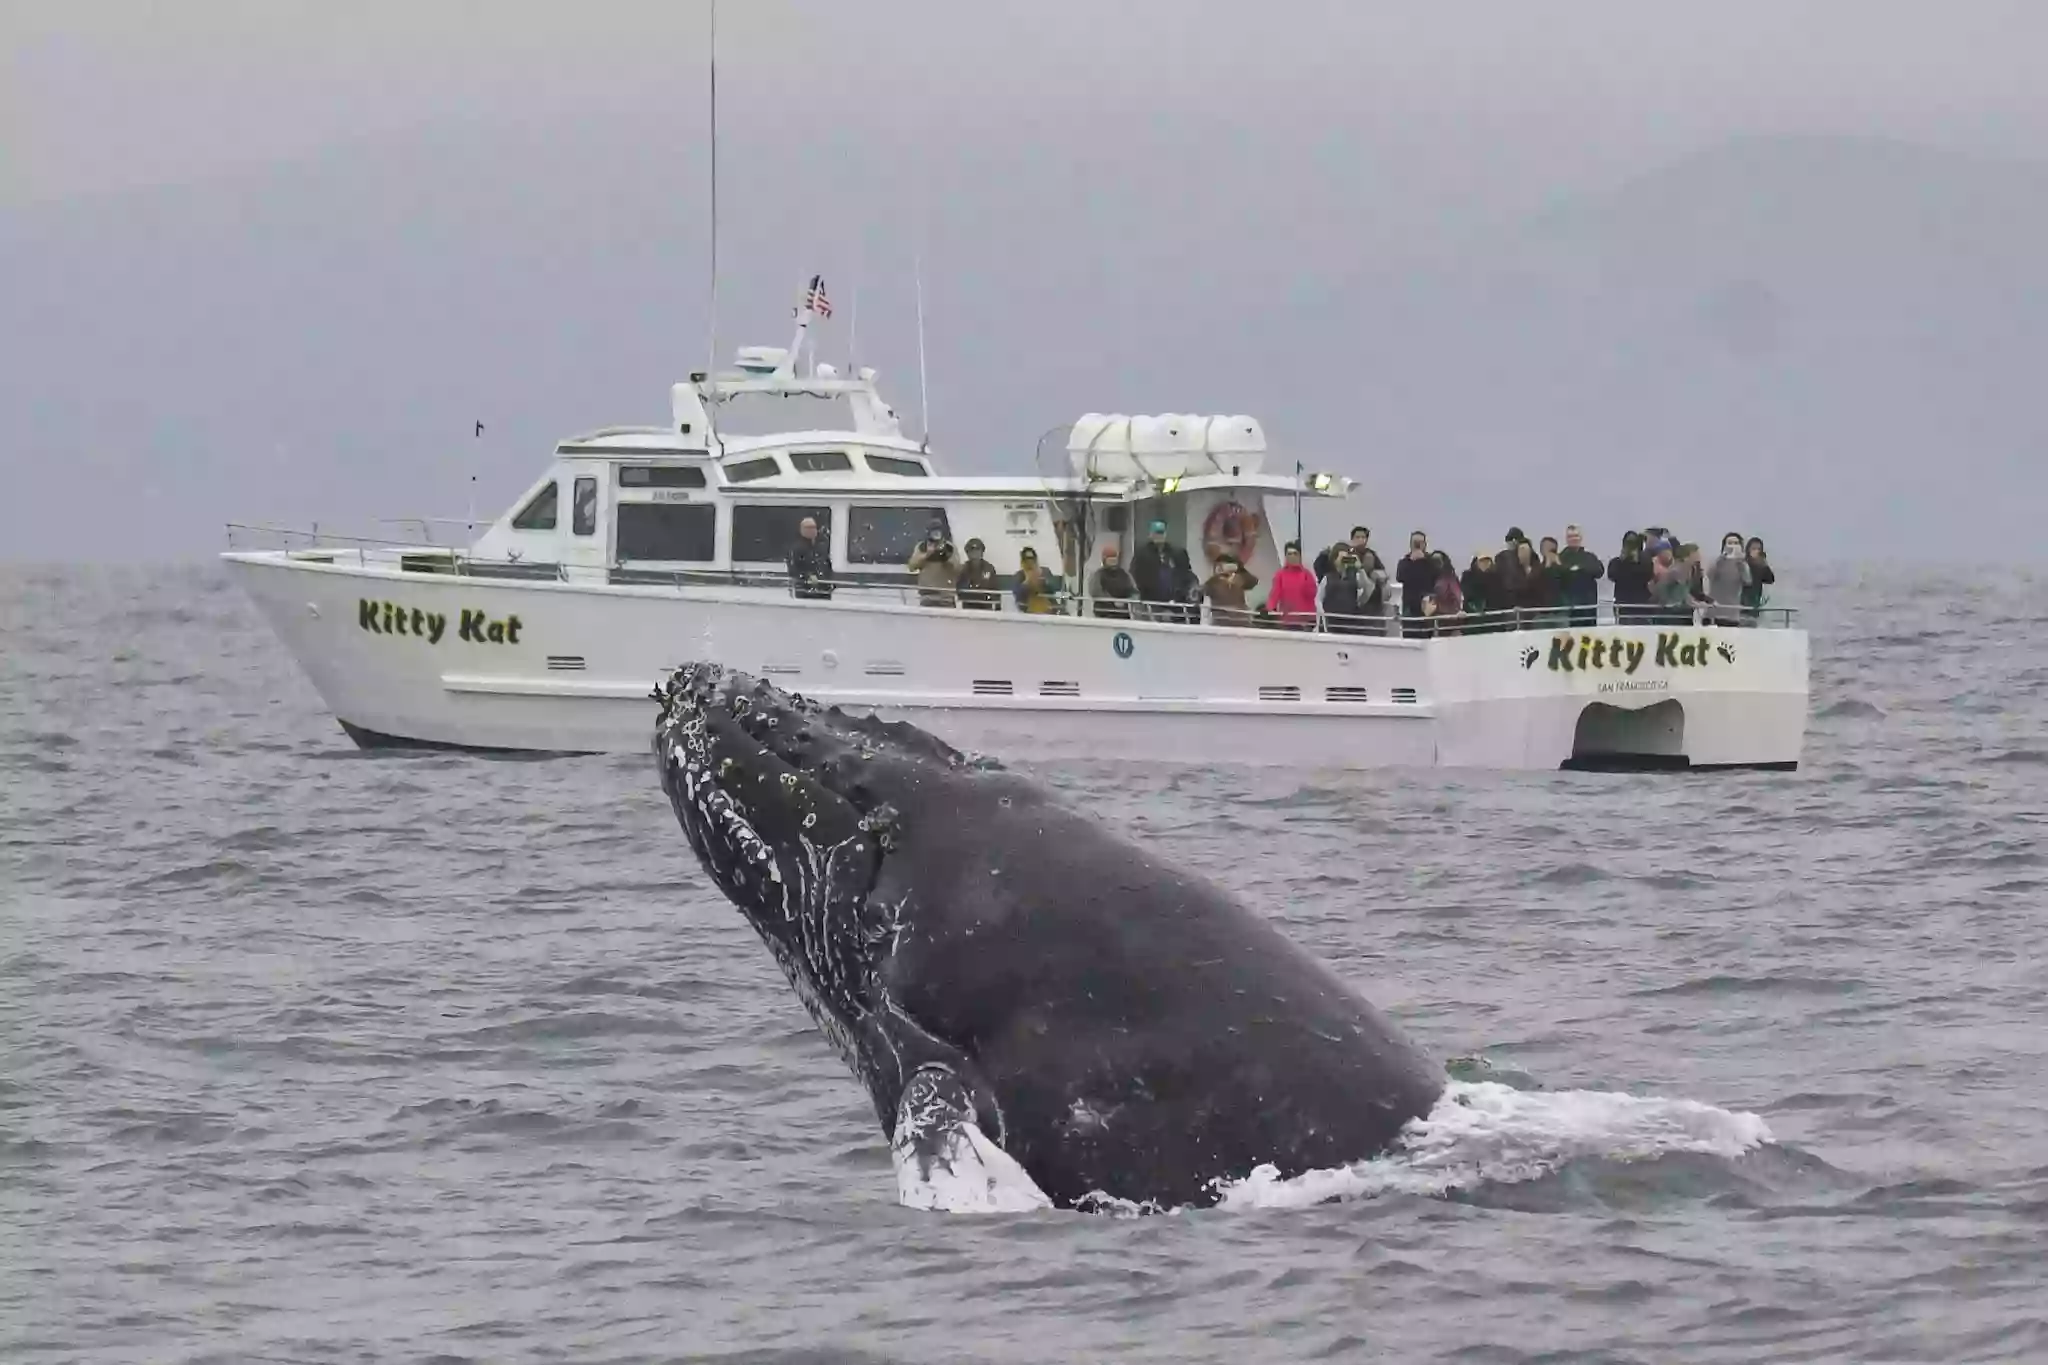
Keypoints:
pixel 1770 266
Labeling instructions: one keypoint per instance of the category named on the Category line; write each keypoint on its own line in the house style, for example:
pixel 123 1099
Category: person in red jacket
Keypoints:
pixel 1292 598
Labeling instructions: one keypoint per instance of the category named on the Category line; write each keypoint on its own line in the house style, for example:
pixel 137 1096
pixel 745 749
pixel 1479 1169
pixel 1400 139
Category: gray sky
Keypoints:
pixel 1143 204
pixel 1504 98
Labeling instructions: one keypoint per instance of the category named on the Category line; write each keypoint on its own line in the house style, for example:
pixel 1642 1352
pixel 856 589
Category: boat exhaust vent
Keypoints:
pixel 884 668
pixel 565 663
pixel 1287 693
pixel 1405 695
pixel 992 687
pixel 1059 689
pixel 1344 694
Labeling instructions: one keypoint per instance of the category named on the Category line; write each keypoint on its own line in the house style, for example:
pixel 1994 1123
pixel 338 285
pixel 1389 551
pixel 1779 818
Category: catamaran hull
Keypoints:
pixel 431 660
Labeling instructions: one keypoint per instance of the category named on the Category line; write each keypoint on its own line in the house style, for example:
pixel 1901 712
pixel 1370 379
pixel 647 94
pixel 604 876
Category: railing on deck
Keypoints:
pixel 886 586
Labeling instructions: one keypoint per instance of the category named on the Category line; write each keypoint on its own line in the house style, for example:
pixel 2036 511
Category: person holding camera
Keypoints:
pixel 1225 591
pixel 1761 576
pixel 932 562
pixel 1037 590
pixel 1417 576
pixel 1351 603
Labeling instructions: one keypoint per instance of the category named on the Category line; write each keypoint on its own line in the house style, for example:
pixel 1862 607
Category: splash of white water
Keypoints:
pixel 1480 1132
pixel 1486 1132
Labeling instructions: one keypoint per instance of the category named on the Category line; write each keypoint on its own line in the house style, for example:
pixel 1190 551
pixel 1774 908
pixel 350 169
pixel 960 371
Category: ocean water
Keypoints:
pixel 313 1055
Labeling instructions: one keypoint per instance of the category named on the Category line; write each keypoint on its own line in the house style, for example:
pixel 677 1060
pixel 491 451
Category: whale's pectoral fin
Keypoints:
pixel 943 1159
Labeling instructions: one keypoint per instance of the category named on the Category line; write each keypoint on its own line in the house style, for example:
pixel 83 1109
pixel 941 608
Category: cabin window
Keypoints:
pixel 583 512
pixel 896 464
pixel 887 535
pixel 821 461
pixel 746 471
pixel 539 514
pixel 660 476
pixel 668 531
pixel 763 534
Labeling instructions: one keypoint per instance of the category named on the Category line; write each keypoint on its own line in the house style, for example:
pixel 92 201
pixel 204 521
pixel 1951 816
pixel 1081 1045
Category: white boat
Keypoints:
pixel 642 547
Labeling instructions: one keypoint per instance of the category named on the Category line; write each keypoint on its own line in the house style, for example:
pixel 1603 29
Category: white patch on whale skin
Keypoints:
pixel 968 1174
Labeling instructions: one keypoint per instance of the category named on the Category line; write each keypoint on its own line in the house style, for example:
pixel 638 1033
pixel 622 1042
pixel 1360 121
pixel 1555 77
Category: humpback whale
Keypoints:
pixel 1014 984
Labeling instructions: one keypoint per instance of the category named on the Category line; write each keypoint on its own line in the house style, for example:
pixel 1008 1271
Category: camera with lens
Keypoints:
pixel 938 547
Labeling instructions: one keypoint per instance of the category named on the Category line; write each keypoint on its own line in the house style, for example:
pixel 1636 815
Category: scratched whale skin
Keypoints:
pixel 993 966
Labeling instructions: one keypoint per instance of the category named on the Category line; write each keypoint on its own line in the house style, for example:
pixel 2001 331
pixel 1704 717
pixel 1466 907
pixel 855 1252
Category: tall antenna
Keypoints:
pixel 924 402
pixel 853 309
pixel 711 365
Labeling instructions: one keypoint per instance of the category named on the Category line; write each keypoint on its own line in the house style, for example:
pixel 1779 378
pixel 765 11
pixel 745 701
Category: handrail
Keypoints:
pixel 1387 624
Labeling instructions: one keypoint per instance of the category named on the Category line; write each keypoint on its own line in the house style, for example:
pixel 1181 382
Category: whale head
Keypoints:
pixel 791 809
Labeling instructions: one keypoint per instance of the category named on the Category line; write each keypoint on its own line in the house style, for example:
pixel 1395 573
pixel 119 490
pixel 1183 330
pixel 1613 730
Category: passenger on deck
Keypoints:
pixel 1509 569
pixel 1553 574
pixel 981 587
pixel 1292 599
pixel 932 561
pixel 1225 590
pixel 1037 590
pixel 1446 599
pixel 1111 587
pixel 1372 572
pixel 1166 582
pixel 1528 586
pixel 1476 586
pixel 810 563
pixel 1369 563
pixel 1347 590
pixel 1417 577
pixel 1671 586
pixel 1579 575
pixel 1629 572
pixel 1761 575
pixel 1727 578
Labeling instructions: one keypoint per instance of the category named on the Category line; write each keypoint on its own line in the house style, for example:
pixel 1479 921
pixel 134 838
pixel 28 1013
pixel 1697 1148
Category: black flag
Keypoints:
pixel 479 428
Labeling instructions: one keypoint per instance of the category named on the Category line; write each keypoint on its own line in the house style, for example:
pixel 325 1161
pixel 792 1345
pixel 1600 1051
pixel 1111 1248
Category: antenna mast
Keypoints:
pixel 711 342
pixel 924 402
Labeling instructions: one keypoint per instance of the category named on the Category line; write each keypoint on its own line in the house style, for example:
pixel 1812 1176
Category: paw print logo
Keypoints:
pixel 1726 651
pixel 1530 654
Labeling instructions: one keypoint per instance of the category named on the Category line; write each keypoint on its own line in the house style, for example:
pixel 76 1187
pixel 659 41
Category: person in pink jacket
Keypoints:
pixel 1292 598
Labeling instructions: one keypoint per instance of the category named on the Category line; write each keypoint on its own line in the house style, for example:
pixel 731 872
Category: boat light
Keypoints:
pixel 1321 482
pixel 1171 485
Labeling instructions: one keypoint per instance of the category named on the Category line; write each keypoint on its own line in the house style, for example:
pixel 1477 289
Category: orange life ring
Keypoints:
pixel 1232 529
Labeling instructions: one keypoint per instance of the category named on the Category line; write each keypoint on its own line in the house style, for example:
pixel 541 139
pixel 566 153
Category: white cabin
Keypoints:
pixel 698 501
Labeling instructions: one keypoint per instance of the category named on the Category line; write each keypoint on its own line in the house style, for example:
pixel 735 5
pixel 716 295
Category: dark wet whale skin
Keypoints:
pixel 1141 1033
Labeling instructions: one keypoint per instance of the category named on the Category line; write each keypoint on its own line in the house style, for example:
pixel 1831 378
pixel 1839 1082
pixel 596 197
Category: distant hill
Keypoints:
pixel 1835 342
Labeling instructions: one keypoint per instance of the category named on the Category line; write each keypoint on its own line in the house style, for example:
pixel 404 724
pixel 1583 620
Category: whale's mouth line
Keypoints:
pixel 729 722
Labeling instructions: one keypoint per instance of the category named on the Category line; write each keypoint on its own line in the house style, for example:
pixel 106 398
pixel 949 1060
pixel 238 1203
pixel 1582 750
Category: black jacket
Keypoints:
pixel 980 586
pixel 1417 578
pixel 1578 576
pixel 1162 573
pixel 1370 602
pixel 1631 580
pixel 810 568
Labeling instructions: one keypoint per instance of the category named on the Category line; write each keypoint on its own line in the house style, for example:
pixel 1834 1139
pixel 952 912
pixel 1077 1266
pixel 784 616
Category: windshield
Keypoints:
pixel 766 414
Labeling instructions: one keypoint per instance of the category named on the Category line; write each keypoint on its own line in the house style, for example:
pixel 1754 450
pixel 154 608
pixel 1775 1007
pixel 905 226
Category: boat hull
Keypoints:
pixel 435 660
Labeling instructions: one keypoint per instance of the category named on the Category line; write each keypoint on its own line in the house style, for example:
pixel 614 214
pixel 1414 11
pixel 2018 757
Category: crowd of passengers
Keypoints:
pixel 1657 579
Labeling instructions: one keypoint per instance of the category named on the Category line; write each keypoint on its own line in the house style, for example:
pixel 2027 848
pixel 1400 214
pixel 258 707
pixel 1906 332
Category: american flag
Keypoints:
pixel 815 300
